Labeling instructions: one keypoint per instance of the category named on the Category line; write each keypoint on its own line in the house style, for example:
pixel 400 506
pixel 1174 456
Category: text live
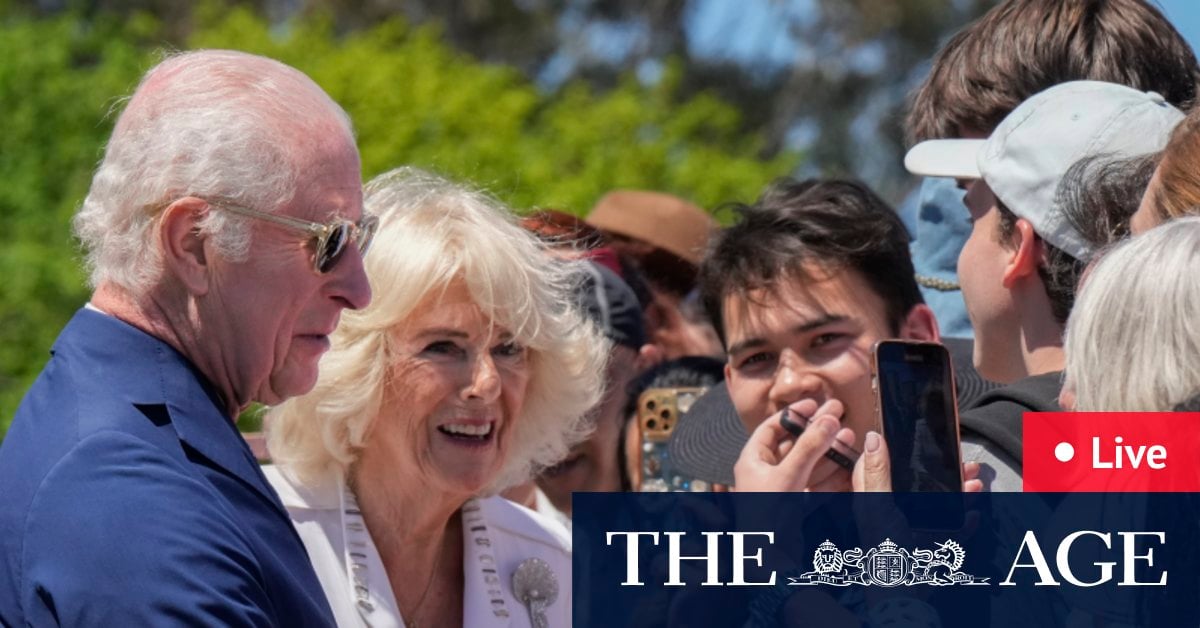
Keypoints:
pixel 1111 452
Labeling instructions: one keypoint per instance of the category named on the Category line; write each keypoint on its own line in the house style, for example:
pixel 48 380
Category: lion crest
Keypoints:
pixel 827 558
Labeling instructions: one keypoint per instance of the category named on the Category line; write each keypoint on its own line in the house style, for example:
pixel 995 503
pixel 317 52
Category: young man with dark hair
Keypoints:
pixel 1016 50
pixel 801 288
pixel 1020 266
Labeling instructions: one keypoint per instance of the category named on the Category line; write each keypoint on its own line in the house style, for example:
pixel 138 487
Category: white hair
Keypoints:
pixel 432 233
pixel 1133 337
pixel 210 124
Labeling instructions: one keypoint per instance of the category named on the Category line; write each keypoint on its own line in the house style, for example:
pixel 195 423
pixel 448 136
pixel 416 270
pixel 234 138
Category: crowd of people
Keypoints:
pixel 443 372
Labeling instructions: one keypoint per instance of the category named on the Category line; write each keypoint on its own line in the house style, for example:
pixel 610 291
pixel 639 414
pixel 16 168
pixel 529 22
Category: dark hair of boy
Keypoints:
pixel 832 224
pixel 1022 47
pixel 1099 194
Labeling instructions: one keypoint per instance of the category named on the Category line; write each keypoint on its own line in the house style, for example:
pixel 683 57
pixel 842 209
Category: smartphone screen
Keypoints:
pixel 915 396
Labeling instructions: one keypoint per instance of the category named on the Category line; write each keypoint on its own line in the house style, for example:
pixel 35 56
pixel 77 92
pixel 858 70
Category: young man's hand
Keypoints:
pixel 774 460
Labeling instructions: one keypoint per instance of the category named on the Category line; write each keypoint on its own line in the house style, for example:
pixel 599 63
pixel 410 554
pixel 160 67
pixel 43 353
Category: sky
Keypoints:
pixel 1185 15
pixel 755 32
pixel 711 23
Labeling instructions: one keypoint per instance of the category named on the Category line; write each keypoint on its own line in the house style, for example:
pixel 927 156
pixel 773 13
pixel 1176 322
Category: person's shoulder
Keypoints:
pixel 92 468
pixel 516 520
pixel 75 398
pixel 122 529
pixel 999 413
pixel 121 472
pixel 1037 393
pixel 298 494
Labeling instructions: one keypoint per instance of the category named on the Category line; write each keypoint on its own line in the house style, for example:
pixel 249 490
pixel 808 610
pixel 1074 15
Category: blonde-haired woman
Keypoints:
pixel 470 370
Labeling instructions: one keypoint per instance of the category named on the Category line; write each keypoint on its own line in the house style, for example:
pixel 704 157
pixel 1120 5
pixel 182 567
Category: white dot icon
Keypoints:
pixel 1064 452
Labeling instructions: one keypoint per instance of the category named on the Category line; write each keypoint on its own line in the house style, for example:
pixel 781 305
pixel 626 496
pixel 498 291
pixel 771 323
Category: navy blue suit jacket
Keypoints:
pixel 127 497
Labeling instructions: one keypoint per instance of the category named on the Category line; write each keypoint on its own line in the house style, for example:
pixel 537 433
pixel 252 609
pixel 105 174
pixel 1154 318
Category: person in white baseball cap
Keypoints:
pixel 1024 159
pixel 1020 265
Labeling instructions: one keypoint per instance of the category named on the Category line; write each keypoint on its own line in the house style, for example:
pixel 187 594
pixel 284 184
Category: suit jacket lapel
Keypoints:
pixel 153 373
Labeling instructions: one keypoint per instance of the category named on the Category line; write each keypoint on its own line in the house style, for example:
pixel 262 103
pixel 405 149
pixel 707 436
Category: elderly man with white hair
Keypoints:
pixel 224 233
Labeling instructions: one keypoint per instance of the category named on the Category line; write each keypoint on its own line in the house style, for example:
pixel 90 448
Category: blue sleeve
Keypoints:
pixel 120 534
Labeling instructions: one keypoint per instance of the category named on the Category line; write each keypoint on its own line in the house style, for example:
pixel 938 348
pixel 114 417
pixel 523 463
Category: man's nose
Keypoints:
pixel 350 280
pixel 794 380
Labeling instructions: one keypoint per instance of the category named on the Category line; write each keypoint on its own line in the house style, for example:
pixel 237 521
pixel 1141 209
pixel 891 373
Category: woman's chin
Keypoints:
pixel 465 483
pixel 465 466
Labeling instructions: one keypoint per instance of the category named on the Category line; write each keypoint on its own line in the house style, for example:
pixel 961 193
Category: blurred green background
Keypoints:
pixel 544 103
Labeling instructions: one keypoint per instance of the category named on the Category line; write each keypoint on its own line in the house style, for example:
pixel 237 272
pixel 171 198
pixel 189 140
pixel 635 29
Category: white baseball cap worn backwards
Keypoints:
pixel 1033 147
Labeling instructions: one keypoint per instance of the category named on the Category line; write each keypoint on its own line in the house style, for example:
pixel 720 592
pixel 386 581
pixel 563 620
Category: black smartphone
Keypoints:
pixel 917 415
pixel 844 455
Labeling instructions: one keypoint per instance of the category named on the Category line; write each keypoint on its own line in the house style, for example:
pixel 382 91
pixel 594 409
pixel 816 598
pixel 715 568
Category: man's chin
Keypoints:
pixel 295 382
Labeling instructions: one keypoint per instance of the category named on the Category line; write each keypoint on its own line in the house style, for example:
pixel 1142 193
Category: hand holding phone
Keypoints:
pixel 787 451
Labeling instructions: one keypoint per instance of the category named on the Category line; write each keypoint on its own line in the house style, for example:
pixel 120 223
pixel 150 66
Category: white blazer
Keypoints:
pixel 498 536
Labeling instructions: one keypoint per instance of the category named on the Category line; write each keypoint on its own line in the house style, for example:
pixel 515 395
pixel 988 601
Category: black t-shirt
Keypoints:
pixel 996 415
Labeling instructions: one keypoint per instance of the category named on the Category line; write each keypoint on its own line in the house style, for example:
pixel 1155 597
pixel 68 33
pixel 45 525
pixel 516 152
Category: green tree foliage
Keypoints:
pixel 414 100
pixel 829 76
pixel 57 79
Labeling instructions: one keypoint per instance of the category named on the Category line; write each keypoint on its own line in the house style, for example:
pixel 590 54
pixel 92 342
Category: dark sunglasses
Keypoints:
pixel 331 239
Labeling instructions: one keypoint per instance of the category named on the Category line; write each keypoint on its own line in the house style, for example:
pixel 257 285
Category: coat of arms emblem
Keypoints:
pixel 888 565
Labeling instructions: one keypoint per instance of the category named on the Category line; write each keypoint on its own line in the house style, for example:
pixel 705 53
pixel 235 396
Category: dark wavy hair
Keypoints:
pixel 831 223
pixel 1099 194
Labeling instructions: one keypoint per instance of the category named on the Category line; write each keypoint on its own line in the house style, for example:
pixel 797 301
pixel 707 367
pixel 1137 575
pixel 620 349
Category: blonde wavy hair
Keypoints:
pixel 431 233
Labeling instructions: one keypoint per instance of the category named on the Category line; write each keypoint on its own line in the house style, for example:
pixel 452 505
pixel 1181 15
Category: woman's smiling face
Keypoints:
pixel 457 385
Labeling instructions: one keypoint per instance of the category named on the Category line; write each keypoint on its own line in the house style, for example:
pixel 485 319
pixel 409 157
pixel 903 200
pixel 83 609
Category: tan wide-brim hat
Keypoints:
pixel 664 221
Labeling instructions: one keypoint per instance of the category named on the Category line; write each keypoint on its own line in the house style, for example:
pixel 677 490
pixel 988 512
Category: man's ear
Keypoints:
pixel 1026 257
pixel 920 324
pixel 182 243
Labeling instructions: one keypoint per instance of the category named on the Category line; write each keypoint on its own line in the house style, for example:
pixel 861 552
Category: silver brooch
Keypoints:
pixel 536 586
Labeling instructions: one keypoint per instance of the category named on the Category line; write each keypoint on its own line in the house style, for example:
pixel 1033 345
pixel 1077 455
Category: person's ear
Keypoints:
pixel 920 324
pixel 182 243
pixel 1066 396
pixel 1026 257
pixel 648 357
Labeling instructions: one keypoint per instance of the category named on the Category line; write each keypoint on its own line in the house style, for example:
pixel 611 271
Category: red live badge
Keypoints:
pixel 1131 452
